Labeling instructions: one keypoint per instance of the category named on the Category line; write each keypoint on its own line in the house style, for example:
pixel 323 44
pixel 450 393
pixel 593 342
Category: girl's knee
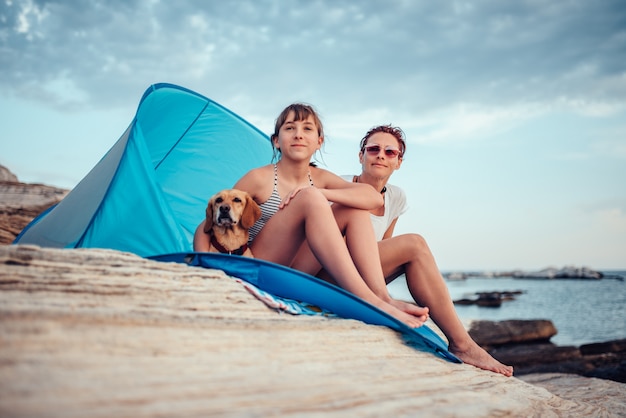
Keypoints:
pixel 310 198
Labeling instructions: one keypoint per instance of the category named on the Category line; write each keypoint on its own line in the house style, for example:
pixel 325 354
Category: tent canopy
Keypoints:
pixel 150 190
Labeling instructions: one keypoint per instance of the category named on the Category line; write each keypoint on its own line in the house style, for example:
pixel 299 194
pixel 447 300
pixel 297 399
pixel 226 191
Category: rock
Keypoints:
pixel 489 299
pixel 489 334
pixel 609 367
pixel 7 175
pixel 571 386
pixel 525 346
pixel 29 197
pixel 105 333
pixel 456 275
pixel 616 346
pixel 21 202
pixel 567 272
pixel 563 360
pixel 528 358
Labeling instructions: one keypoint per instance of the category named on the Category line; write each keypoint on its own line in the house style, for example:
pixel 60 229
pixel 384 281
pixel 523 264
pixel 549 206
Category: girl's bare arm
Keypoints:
pixel 356 195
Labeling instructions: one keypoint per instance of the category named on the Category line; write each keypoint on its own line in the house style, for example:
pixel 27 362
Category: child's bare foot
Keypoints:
pixel 410 320
pixel 477 356
pixel 412 309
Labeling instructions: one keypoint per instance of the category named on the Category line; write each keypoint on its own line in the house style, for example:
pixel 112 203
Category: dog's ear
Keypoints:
pixel 208 223
pixel 251 213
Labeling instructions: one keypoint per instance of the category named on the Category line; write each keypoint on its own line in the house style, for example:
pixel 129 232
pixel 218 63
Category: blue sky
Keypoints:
pixel 515 112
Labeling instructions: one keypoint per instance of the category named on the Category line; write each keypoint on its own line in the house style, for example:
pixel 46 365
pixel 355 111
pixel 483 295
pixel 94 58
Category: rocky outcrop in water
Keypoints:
pixel 567 272
pixel 525 344
pixel 492 299
pixel 489 334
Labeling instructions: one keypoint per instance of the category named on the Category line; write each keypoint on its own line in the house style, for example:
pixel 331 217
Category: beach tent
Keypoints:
pixel 149 192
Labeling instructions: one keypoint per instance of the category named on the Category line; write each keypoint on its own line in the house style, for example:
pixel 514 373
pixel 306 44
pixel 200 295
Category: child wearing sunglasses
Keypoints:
pixel 300 229
pixel 381 153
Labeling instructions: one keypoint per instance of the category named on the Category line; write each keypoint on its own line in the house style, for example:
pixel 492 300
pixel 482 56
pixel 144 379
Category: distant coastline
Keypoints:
pixel 549 273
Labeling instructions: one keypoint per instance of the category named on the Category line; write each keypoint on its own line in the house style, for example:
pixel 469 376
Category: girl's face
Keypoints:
pixel 381 156
pixel 298 138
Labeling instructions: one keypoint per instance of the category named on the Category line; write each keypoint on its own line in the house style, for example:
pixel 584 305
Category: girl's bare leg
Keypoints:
pixel 354 224
pixel 357 228
pixel 308 216
pixel 410 253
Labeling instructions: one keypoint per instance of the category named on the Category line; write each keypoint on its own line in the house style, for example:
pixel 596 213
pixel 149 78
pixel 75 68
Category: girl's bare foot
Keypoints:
pixel 410 320
pixel 412 309
pixel 476 356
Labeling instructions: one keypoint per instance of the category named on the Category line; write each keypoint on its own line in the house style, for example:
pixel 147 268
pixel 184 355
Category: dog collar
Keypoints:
pixel 219 247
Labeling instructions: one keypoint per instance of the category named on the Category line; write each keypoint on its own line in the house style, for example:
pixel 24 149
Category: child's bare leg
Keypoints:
pixel 428 287
pixel 308 216
pixel 357 228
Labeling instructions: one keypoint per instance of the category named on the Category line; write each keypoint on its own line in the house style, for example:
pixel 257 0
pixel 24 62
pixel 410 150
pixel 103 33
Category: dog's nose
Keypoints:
pixel 224 209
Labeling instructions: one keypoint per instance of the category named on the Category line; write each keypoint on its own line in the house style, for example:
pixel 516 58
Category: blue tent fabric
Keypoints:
pixel 149 192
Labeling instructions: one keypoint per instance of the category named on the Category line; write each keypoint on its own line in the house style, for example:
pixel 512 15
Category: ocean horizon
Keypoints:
pixel 583 311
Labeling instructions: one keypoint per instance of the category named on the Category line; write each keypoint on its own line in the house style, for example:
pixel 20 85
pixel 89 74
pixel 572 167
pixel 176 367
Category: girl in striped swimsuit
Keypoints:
pixel 300 229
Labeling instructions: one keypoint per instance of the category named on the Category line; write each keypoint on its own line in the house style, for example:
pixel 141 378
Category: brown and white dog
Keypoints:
pixel 229 215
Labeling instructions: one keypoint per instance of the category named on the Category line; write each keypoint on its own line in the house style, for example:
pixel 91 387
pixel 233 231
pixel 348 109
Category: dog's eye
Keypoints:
pixel 219 200
pixel 238 200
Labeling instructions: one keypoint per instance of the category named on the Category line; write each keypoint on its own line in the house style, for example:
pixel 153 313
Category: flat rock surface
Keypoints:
pixel 101 333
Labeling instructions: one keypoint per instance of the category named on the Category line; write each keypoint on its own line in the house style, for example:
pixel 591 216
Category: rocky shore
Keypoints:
pixel 525 344
pixel 105 333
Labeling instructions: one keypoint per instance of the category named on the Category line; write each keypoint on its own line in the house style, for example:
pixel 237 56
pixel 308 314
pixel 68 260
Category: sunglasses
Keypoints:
pixel 374 149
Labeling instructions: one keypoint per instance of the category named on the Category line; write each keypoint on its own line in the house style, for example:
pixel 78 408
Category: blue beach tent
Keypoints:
pixel 150 191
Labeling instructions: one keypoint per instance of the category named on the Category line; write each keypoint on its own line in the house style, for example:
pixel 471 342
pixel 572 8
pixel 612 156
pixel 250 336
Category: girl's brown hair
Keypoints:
pixel 301 112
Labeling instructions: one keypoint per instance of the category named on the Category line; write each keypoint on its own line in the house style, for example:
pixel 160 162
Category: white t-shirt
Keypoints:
pixel 395 205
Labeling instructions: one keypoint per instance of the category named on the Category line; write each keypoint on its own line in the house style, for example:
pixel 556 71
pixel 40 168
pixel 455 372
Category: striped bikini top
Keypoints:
pixel 269 207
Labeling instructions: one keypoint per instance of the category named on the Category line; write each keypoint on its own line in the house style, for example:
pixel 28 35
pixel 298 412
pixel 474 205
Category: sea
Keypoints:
pixel 583 311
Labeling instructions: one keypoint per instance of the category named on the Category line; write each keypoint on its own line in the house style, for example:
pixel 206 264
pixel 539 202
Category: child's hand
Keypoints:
pixel 290 196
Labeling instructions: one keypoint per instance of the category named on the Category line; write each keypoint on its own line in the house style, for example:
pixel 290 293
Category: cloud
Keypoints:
pixel 466 121
pixel 408 55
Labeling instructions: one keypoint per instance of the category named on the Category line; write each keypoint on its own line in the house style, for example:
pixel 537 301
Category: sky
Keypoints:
pixel 514 111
